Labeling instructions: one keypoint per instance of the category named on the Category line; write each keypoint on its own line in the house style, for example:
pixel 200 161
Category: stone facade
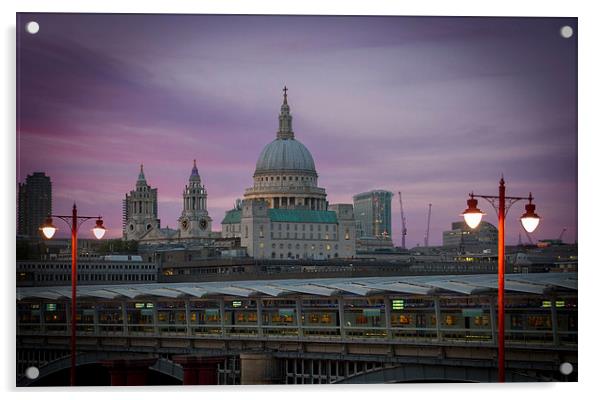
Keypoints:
pixel 140 209
pixel 292 234
pixel 195 221
pixel 140 214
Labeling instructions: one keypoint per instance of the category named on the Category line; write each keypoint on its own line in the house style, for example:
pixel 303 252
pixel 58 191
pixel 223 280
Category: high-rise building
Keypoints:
pixel 373 214
pixel 464 238
pixel 34 203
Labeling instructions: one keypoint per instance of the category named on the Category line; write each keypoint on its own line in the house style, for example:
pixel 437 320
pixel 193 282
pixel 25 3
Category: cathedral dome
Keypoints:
pixel 285 153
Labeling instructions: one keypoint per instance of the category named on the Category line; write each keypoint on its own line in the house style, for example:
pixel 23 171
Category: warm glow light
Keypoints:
pixel 530 219
pixel 530 223
pixel 472 215
pixel 99 230
pixel 473 219
pixel 48 230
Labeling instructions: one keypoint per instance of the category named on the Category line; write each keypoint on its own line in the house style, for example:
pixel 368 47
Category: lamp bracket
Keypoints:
pixel 494 201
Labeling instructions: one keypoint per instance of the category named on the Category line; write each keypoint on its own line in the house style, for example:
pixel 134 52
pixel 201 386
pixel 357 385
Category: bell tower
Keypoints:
pixel 195 221
pixel 140 209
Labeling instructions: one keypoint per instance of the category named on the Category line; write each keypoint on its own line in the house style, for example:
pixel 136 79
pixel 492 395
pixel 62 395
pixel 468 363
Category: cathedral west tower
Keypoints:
pixel 140 209
pixel 194 221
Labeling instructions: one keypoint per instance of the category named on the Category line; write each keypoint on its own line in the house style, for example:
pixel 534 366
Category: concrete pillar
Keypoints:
pixel 259 317
pixel 68 316
pixel 42 318
pixel 493 319
pixel 124 317
pixel 129 372
pixel 199 370
pixel 555 337
pixel 437 317
pixel 188 322
pixel 298 315
pixel 260 369
pixel 222 316
pixel 341 305
pixel 388 325
pixel 155 319
pixel 96 321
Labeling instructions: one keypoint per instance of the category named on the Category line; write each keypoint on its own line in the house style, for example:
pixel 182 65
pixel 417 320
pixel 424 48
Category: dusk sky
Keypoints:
pixel 433 107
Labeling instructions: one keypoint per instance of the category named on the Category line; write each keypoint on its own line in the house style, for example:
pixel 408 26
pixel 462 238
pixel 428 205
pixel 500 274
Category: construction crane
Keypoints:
pixel 561 234
pixel 428 227
pixel 404 230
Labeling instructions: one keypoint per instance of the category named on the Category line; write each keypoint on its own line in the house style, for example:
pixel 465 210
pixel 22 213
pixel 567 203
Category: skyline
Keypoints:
pixel 410 92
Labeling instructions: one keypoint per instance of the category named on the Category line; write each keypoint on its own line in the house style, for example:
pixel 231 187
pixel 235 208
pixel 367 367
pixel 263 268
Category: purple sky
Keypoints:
pixel 434 107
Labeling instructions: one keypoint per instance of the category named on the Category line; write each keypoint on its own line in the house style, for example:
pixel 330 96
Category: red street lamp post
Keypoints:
pixel 530 220
pixel 48 229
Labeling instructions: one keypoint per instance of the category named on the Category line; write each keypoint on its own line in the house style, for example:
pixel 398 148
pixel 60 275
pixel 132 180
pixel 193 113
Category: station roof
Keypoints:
pixel 540 283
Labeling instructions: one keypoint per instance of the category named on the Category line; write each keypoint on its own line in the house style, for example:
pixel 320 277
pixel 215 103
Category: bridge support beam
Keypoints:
pixel 198 370
pixel 129 372
pixel 259 369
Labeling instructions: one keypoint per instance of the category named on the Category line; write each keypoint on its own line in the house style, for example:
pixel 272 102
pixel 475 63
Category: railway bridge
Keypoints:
pixel 301 331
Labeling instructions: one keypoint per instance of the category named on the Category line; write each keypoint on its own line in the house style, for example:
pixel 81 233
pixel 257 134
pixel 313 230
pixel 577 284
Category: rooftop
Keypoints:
pixel 287 215
pixel 539 283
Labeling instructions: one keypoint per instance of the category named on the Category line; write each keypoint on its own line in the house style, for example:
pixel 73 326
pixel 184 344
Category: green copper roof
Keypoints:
pixel 232 217
pixel 285 215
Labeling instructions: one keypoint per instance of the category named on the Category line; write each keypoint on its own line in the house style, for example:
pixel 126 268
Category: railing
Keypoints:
pixel 332 332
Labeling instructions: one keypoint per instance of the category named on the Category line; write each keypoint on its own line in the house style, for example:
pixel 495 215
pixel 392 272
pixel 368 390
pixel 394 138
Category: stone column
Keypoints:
pixel 129 372
pixel 260 369
pixel 198 370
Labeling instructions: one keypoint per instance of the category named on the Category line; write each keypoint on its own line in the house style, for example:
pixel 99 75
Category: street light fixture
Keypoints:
pixel 48 229
pixel 530 220
pixel 472 215
pixel 99 230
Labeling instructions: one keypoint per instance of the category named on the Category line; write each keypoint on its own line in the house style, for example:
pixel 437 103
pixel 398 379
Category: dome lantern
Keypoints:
pixel 285 126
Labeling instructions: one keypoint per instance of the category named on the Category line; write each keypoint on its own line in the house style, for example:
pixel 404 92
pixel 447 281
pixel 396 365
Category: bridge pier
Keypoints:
pixel 259 369
pixel 129 372
pixel 198 370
